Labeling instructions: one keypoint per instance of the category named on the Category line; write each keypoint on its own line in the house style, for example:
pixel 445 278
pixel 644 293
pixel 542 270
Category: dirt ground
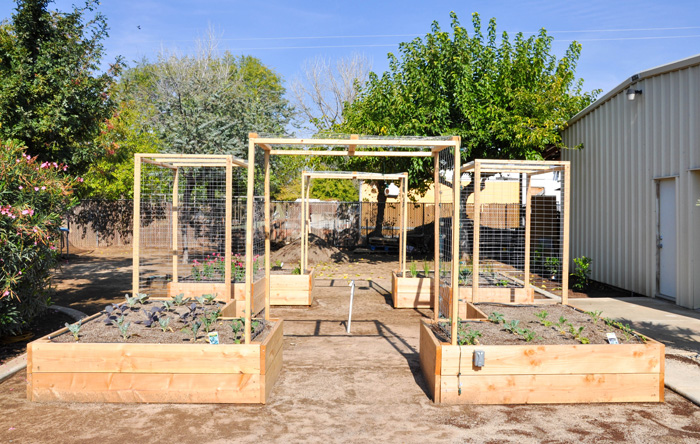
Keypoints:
pixel 334 387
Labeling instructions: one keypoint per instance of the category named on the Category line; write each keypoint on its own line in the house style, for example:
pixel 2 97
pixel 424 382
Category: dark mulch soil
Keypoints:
pixel 98 331
pixel 496 334
pixel 11 347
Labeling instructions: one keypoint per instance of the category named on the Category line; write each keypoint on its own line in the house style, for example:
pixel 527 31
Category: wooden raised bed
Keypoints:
pixel 411 292
pixel 538 374
pixel 486 294
pixel 291 289
pixel 154 373
pixel 235 303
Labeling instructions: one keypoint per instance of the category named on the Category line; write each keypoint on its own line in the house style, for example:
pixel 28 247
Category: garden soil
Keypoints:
pixel 334 387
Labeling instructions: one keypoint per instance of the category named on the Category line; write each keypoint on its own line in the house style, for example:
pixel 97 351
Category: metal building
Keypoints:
pixel 635 185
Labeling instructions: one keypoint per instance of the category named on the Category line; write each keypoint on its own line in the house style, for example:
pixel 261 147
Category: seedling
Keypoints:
pixel 167 305
pixel 297 269
pixel 236 326
pixel 561 325
pixel 152 316
pixel 595 315
pixel 180 299
pixel 138 298
pixel 511 326
pixel 496 318
pixel 469 337
pixel 527 334
pixel 124 329
pixel 502 283
pixel 209 319
pixel 164 323
pixel 193 329
pixel 278 264
pixel 413 269
pixel 206 299
pixel 114 312
pixel 542 316
pixel 426 269
pixel 74 329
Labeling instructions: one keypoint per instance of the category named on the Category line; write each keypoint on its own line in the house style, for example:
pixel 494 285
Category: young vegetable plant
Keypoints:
pixel 114 312
pixel 595 315
pixel 527 334
pixel 74 329
pixel 413 269
pixel 561 325
pixel 152 316
pixel 180 299
pixel 426 269
pixel 542 316
pixel 206 299
pixel 124 329
pixel 496 318
pixel 164 324
pixel 209 319
pixel 469 337
pixel 138 298
pixel 236 327
pixel 193 328
pixel 511 326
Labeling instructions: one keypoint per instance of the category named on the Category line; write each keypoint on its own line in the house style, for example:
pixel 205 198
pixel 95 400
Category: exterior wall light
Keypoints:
pixel 632 93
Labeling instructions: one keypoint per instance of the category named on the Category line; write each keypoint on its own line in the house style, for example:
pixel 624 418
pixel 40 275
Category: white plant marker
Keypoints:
pixel 352 296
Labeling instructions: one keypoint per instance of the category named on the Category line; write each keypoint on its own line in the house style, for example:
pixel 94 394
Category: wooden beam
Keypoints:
pixel 282 152
pixel 351 148
pixel 175 213
pixel 228 236
pixel 267 234
pixel 136 242
pixel 477 230
pixel 528 229
pixel 353 175
pixel 249 240
pixel 302 222
pixel 436 237
pixel 456 188
pixel 160 164
pixel 360 142
pixel 565 247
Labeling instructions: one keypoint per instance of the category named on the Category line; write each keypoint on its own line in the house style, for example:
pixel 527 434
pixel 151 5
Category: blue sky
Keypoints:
pixel 619 37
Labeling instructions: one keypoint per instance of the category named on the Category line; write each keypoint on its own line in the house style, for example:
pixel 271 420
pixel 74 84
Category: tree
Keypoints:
pixel 52 97
pixel 322 92
pixel 509 100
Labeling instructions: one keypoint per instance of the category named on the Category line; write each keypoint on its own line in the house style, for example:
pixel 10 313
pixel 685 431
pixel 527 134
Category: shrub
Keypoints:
pixel 582 272
pixel 33 198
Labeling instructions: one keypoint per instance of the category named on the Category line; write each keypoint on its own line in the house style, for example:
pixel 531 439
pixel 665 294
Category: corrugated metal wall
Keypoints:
pixel 628 146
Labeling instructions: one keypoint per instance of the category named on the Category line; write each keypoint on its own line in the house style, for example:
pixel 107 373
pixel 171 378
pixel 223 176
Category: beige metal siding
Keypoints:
pixel 627 145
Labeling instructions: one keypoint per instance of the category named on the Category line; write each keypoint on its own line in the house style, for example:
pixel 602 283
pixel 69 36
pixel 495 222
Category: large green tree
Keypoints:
pixel 52 94
pixel 505 99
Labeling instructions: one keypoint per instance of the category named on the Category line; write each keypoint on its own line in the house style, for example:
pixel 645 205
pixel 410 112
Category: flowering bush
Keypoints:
pixel 213 267
pixel 33 197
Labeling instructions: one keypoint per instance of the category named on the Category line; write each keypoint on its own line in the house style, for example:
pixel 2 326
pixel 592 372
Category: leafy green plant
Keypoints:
pixel 469 337
pixel 297 269
pixel 167 305
pixel 193 329
pixel 426 269
pixel 206 299
pixel 74 329
pixel 511 326
pixel 138 298
pixel 542 315
pixel 277 264
pixel 527 334
pixel 551 264
pixel 582 272
pixel 164 323
pixel 413 269
pixel 180 299
pixel 124 329
pixel 496 317
pixel 595 315
pixel 502 283
pixel 209 318
pixel 561 325
pixel 152 316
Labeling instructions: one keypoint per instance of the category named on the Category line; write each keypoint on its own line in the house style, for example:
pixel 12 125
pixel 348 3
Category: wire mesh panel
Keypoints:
pixel 518 209
pixel 182 224
pixel 446 162
pixel 258 234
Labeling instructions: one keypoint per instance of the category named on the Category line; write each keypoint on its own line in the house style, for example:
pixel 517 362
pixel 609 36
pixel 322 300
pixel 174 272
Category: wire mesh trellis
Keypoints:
pixel 446 169
pixel 184 205
pixel 512 230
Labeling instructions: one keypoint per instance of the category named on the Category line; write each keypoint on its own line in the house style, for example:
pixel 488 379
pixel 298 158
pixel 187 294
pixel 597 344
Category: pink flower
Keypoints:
pixel 17 160
pixel 20 272
pixel 65 167
pixel 28 211
pixel 6 293
pixel 36 188
pixel 43 188
pixel 21 187
pixel 80 179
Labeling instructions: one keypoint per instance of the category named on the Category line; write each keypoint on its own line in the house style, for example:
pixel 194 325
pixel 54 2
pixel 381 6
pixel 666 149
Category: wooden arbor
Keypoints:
pixel 360 146
pixel 307 176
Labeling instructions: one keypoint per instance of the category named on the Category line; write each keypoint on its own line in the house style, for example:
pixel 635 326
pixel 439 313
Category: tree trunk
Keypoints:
pixel 381 206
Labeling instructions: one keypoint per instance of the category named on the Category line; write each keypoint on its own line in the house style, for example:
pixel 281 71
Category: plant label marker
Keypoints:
pixel 352 296
pixel 612 339
pixel 213 338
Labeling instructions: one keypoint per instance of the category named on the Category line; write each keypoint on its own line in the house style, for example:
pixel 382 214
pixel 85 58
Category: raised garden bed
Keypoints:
pixel 235 299
pixel 411 292
pixel 152 366
pixel 556 368
pixel 291 289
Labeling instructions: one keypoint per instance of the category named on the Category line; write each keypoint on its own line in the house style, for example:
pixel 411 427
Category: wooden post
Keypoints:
pixel 477 230
pixel 307 225
pixel 456 188
pixel 565 244
pixel 176 209
pixel 436 237
pixel 267 235
pixel 137 224
pixel 402 227
pixel 228 241
pixel 528 229
pixel 302 230
pixel 249 239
